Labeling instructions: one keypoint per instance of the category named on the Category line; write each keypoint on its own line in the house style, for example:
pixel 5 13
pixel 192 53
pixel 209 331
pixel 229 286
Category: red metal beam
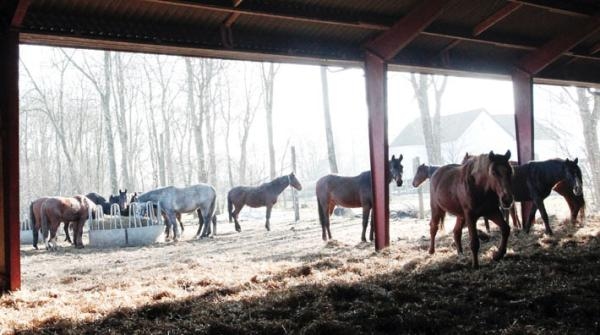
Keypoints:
pixel 375 76
pixel 523 99
pixel 389 43
pixel 9 156
pixel 496 17
pixel 537 60
pixel 20 12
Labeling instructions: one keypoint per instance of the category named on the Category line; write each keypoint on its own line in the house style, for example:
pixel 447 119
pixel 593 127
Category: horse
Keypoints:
pixel 172 200
pixel 471 190
pixel 68 209
pixel 258 196
pixel 36 223
pixel 425 172
pixel 120 199
pixel 535 180
pixel 351 192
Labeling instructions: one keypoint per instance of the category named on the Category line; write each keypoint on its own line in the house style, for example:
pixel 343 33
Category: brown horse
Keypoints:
pixel 351 192
pixel 471 190
pixel 36 223
pixel 65 209
pixel 264 195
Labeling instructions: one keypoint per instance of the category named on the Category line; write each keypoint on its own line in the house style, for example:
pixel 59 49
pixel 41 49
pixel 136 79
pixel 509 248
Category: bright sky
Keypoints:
pixel 298 107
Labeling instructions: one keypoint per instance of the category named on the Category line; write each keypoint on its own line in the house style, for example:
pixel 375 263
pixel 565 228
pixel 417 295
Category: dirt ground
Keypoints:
pixel 289 281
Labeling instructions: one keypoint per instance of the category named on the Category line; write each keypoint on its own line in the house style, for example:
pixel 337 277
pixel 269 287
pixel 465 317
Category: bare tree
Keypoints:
pixel 431 125
pixel 103 89
pixel 588 104
pixel 328 128
pixel 268 82
pixel 249 112
pixel 120 91
pixel 225 105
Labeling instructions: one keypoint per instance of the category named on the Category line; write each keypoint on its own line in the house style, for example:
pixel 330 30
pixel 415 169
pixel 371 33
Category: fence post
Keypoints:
pixel 294 195
pixel 416 163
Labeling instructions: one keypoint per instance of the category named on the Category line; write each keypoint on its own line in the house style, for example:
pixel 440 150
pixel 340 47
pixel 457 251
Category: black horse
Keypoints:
pixel 534 181
pixel 264 195
pixel 351 192
pixel 120 199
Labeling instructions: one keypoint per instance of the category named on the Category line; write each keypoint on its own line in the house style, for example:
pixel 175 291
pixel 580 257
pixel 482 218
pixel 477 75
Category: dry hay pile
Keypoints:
pixel 545 285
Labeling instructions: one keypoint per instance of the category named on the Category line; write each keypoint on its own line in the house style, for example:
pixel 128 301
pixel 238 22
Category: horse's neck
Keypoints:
pixel 431 169
pixel 554 174
pixel 279 184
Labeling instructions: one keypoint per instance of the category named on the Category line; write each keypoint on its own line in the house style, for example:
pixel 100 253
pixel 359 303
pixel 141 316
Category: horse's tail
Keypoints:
pixel 321 212
pixel 582 210
pixel 44 220
pixel 229 208
pixel 34 228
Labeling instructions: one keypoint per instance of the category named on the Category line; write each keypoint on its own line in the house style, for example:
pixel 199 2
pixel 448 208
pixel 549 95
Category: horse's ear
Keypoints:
pixel 400 158
pixel 120 191
pixel 393 157
pixel 125 191
pixel 507 154
pixel 576 160
pixel 491 155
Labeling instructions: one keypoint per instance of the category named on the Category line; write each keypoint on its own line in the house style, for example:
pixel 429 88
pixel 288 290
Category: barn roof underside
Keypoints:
pixel 468 36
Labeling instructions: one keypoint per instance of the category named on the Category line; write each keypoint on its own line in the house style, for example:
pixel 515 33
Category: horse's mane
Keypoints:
pixel 474 166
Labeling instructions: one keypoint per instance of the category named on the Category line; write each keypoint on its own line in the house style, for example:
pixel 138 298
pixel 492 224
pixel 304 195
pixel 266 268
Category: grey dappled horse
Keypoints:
pixel 201 198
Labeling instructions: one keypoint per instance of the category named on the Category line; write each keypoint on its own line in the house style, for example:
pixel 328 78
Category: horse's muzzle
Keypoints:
pixel 506 202
pixel 577 190
pixel 399 182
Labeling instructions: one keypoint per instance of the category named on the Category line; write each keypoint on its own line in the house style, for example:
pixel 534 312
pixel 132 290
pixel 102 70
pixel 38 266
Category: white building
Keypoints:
pixel 475 132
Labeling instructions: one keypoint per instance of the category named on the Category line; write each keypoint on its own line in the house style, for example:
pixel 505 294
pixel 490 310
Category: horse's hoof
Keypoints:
pixel 496 256
pixel 431 251
pixel 239 230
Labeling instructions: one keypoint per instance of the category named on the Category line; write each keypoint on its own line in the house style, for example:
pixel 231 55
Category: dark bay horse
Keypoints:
pixel 265 194
pixel 479 187
pixel 35 218
pixel 120 199
pixel 535 180
pixel 55 210
pixel 172 200
pixel 351 192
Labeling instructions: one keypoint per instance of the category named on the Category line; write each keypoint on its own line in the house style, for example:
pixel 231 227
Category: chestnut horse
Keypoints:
pixel 68 209
pixel 264 195
pixel 36 223
pixel 351 192
pixel 471 190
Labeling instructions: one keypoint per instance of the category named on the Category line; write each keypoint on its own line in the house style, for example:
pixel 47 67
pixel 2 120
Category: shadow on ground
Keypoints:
pixel 548 286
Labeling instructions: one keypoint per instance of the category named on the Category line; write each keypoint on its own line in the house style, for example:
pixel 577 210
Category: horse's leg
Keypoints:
pixel 236 212
pixel 200 222
pixel 498 218
pixel 67 235
pixel 78 233
pixel 436 216
pixel 544 215
pixel 267 223
pixel 471 225
pixel 53 229
pixel 515 218
pixel 178 216
pixel 487 224
pixel 457 232
pixel 330 208
pixel 531 218
pixel 172 222
pixel 365 221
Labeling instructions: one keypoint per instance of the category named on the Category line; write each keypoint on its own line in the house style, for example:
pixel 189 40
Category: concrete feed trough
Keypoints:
pixel 134 230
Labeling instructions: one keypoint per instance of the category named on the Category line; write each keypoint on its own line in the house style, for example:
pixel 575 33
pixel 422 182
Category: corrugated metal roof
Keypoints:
pixel 327 30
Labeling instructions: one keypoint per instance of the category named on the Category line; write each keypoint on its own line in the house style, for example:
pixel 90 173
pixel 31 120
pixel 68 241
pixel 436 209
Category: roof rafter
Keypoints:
pixel 570 8
pixel 20 12
pixel 503 12
pixel 537 60
pixel 389 43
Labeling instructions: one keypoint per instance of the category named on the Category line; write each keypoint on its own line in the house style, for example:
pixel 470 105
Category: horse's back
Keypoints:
pixel 445 188
pixel 187 199
pixel 345 191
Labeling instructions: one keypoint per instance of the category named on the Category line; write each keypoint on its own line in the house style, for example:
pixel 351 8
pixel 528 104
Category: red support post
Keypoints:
pixel 9 158
pixel 375 75
pixel 523 97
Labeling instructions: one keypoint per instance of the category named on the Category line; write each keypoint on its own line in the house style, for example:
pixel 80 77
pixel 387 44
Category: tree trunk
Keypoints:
pixel 105 101
pixel 431 128
pixel 590 117
pixel 268 85
pixel 122 121
pixel 166 119
pixel 328 128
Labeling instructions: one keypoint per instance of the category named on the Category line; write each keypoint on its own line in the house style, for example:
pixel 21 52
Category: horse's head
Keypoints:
pixel 500 172
pixel 134 197
pixel 421 175
pixel 573 175
pixel 120 199
pixel 396 169
pixel 294 182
